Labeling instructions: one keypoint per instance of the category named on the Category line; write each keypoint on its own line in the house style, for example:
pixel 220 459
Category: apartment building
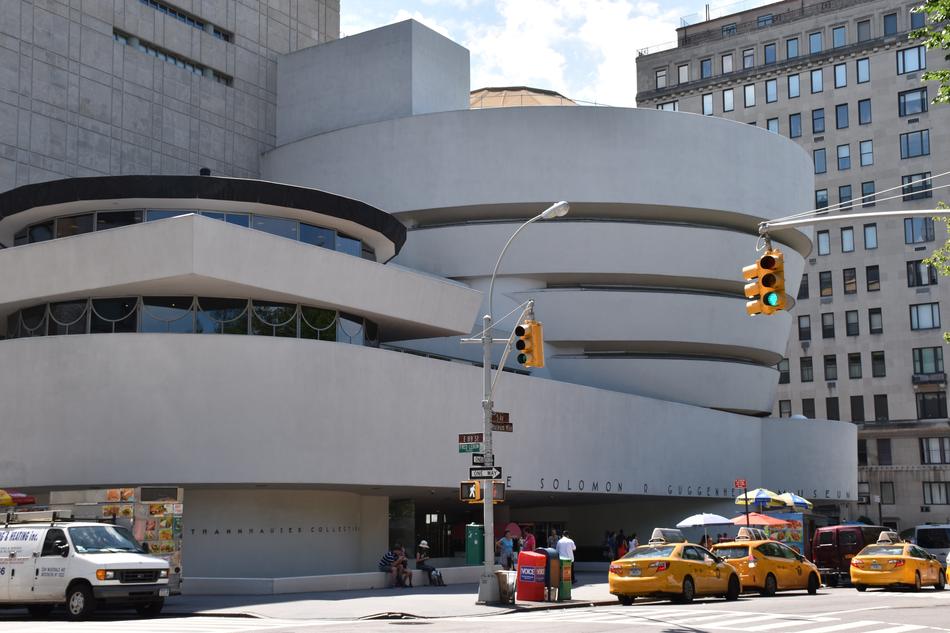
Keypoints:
pixel 843 80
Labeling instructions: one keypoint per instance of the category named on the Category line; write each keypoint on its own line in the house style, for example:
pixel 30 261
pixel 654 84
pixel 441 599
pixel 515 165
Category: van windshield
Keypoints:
pixel 103 538
pixel 933 538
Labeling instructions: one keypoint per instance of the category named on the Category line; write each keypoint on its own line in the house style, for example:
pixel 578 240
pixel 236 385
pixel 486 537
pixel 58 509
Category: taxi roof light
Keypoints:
pixel 751 534
pixel 888 537
pixel 667 535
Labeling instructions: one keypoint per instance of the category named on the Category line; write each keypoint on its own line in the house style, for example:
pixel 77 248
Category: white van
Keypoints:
pixel 935 539
pixel 46 561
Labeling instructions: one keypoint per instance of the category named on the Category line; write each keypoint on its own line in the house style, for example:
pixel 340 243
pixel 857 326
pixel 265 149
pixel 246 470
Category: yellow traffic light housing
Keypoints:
pixel 766 289
pixel 470 492
pixel 530 343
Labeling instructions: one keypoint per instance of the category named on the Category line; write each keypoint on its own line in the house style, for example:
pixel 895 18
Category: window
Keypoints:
pixel 818 120
pixel 794 86
pixel 890 24
pixel 912 101
pixel 867 153
pixel 748 58
pixel 705 69
pixel 887 492
pixel 928 360
pixel 847 239
pixel 708 104
pixel 671 106
pixel 763 20
pixel 821 199
pixel 729 30
pixel 878 369
pixel 857 415
pixel 920 274
pixel 864 70
pixel 824 242
pixel 844 157
pixel 925 316
pixel 661 78
pixel 880 407
pixel 682 73
pixel 816 81
pixel 864 111
pixel 917 187
pixel 935 493
pixel 807 372
pixel 915 144
pixel 771 91
pixel 841 75
pixel 851 323
pixel 791 48
pixel 728 102
pixel 918 19
pixel 918 230
pixel 808 408
pixel 884 451
pixel 828 325
pixel 854 365
pixel 795 125
pixel 864 30
pixel 772 125
pixel 844 197
pixel 727 63
pixel 749 95
pixel 783 373
pixel 784 408
pixel 814 43
pixel 935 450
pixel 803 287
pixel 839 36
pixel 769 51
pixel 873 274
pixel 824 284
pixel 850 281
pixel 911 60
pixel 831 409
pixel 932 404
pixel 804 328
pixel 821 165
pixel 867 200
pixel 875 321
pixel 841 116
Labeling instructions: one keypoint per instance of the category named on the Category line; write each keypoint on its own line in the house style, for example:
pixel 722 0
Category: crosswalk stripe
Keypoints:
pixel 842 627
pixel 790 622
pixel 900 628
pixel 743 619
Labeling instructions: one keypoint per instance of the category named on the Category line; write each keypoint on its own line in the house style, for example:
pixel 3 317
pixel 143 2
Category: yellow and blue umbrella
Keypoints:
pixel 792 500
pixel 760 498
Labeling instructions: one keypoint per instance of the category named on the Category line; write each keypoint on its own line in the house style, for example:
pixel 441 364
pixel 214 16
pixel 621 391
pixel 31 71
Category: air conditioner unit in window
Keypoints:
pixel 864 500
pixel 831 384
pixel 925 508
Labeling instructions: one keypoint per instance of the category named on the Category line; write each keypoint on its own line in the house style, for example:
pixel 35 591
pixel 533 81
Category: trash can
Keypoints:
pixel 530 583
pixel 564 590
pixel 552 572
pixel 506 586
pixel 474 544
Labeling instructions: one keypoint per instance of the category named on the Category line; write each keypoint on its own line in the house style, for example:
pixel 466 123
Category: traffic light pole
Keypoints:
pixel 487 585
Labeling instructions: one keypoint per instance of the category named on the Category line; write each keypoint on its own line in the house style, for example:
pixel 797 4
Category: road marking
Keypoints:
pixel 191 624
pixel 842 627
pixel 827 613
pixel 900 628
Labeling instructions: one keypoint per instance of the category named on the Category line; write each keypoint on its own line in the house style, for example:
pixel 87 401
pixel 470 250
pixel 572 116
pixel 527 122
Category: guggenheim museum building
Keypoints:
pixel 262 371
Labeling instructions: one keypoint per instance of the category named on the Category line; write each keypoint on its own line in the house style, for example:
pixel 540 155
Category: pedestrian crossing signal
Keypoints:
pixel 470 491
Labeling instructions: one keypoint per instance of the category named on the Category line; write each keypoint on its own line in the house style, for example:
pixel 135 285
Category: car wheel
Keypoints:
pixel 860 587
pixel 689 591
pixel 150 609
pixel 626 600
pixel 813 584
pixel 916 581
pixel 39 610
pixel 80 603
pixel 734 588
pixel 771 586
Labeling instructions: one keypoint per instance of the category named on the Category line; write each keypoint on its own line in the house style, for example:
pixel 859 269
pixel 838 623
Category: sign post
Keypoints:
pixel 742 483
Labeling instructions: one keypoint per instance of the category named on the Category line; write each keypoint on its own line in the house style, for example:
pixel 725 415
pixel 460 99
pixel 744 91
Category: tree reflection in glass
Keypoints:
pixel 221 316
pixel 274 319
pixel 317 324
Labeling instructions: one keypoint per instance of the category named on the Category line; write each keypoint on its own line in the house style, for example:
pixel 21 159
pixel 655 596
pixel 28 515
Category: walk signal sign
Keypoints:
pixel 470 491
pixel 530 343
pixel 766 289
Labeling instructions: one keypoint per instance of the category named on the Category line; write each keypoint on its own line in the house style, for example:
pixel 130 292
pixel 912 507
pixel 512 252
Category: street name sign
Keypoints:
pixel 493 472
pixel 471 447
pixel 504 427
pixel 739 483
pixel 500 417
pixel 469 438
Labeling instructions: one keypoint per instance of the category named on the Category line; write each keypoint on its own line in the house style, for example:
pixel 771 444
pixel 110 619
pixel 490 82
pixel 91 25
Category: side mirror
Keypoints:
pixel 63 548
pixel 146 548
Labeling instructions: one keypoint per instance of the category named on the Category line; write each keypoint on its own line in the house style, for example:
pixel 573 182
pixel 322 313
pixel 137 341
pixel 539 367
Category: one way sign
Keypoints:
pixel 485 473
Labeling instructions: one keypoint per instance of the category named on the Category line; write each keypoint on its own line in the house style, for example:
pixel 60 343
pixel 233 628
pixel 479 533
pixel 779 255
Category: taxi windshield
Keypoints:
pixel 651 551
pixel 882 550
pixel 103 538
pixel 732 551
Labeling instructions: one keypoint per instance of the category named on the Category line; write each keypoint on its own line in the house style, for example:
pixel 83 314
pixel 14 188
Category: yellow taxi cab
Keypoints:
pixel 768 566
pixel 668 566
pixel 893 563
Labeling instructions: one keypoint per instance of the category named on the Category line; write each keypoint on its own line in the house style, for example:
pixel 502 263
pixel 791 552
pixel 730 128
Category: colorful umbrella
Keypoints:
pixel 8 498
pixel 758 519
pixel 760 498
pixel 792 500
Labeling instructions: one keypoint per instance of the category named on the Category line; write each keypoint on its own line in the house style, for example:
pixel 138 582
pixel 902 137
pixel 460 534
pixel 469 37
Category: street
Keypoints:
pixel 831 611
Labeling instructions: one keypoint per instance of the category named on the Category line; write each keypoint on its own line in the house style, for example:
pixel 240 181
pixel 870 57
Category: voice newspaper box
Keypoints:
pixel 531 571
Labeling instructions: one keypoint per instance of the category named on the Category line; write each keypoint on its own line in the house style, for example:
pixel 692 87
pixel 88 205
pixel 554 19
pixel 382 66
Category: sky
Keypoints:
pixel 584 49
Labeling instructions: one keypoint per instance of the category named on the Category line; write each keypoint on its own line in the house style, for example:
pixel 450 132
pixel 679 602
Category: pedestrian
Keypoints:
pixel 422 563
pixel 610 547
pixel 505 547
pixel 633 543
pixel 621 544
pixel 530 543
pixel 552 538
pixel 393 563
pixel 565 549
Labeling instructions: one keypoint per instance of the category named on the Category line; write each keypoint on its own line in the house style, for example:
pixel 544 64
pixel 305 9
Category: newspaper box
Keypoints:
pixel 552 572
pixel 531 566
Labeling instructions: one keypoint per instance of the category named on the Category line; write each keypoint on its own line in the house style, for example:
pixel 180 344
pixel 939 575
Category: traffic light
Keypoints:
pixel 767 287
pixel 470 491
pixel 497 491
pixel 530 344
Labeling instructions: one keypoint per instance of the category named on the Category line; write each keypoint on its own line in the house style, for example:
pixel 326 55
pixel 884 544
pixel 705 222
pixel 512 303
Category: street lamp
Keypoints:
pixel 487 585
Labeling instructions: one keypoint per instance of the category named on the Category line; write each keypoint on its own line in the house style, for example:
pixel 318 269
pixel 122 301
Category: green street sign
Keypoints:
pixel 470 447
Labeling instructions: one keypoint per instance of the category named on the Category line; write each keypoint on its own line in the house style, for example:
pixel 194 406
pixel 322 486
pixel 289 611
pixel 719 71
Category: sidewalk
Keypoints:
pixel 421 602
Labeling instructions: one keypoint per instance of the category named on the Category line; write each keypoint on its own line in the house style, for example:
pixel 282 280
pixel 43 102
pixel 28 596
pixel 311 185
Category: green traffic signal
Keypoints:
pixel 771 299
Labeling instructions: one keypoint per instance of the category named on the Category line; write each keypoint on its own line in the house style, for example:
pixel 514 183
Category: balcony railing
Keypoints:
pixel 935 378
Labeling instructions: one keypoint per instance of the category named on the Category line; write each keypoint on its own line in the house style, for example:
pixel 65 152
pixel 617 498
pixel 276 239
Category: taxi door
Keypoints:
pixel 925 564
pixel 780 566
pixel 695 565
pixel 797 571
